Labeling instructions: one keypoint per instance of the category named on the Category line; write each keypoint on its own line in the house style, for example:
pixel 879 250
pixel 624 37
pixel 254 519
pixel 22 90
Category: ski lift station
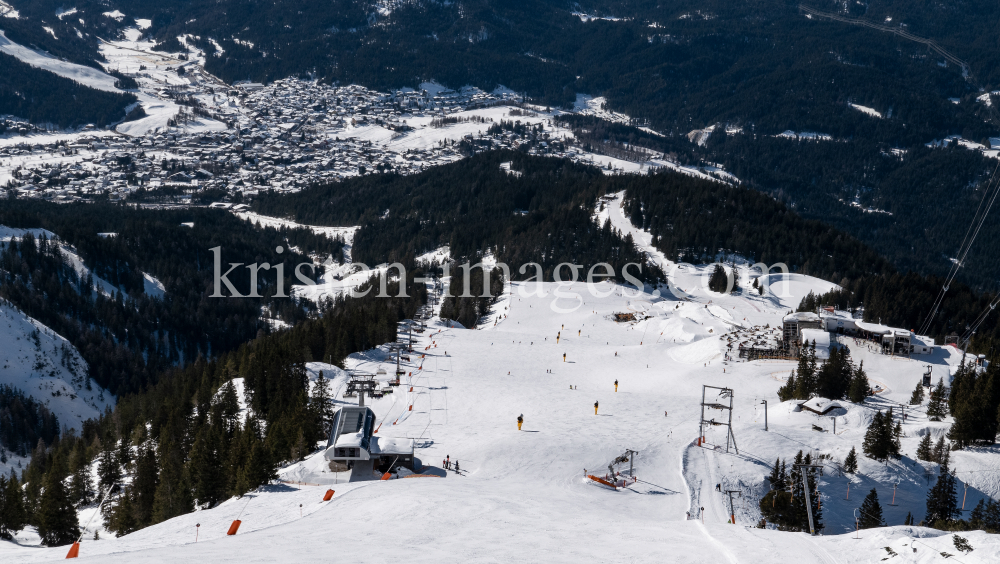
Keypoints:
pixel 354 445
pixel 802 327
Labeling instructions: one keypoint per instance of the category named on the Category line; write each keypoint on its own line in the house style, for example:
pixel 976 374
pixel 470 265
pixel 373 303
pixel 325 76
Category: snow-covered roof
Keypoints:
pixel 822 339
pixel 350 439
pixel 837 314
pixel 801 316
pixel 821 406
pixel 386 445
pixel 873 327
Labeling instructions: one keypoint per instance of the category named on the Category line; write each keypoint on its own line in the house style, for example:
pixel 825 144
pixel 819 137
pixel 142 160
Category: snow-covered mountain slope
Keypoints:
pixel 48 368
pixel 523 496
pixel 84 75
pixel 151 286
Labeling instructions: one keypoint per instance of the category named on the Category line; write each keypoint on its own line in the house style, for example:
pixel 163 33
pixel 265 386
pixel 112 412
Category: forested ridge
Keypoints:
pixel 128 337
pixel 40 96
pixel 182 441
pixel 542 213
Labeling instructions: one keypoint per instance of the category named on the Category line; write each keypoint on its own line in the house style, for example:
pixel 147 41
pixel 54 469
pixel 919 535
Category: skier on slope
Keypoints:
pixel 595 408
pixel 520 420
pixel 616 384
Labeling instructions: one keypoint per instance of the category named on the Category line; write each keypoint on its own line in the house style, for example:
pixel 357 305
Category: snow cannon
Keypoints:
pixel 234 527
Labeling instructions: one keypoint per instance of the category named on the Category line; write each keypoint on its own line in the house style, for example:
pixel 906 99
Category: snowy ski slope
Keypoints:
pixel 523 497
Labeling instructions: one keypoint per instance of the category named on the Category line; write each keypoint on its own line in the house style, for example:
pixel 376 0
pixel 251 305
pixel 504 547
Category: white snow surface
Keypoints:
pixel 530 485
pixel 152 287
pixel 48 368
pixel 866 110
pixel 464 388
pixel 8 11
pixel 84 75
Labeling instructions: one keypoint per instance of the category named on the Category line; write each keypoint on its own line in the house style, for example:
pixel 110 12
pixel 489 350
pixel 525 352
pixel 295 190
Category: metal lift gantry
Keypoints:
pixel 724 393
pixel 805 486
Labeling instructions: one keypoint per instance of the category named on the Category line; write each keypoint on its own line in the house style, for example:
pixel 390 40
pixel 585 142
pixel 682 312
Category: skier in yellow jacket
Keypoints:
pixel 595 408
pixel 520 420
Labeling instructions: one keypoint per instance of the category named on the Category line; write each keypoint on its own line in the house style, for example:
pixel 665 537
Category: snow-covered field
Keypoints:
pixel 522 496
pixel 87 76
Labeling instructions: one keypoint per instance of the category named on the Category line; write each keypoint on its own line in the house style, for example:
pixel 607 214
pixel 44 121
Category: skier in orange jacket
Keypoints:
pixel 520 420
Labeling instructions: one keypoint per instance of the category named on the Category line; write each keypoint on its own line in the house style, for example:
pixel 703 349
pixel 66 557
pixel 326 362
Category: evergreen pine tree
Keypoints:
pixel 973 402
pixel 119 512
pixel 258 468
pixel 13 516
pixel 851 462
pixel 173 492
pixel 937 407
pixel 917 397
pixel 870 512
pixel 208 482
pixel 787 390
pixel 798 517
pixel 108 469
pixel 924 448
pixel 874 445
pixel 940 451
pixel 143 488
pixel 229 406
pixel 909 519
pixel 321 404
pixel 942 499
pixel 986 516
pixel 775 478
pixel 719 280
pixel 858 390
pixel 56 519
pixel 805 385
pixel 81 486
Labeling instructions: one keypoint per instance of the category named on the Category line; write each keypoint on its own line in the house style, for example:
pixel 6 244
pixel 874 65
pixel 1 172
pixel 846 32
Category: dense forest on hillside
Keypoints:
pixel 913 207
pixel 695 220
pixel 540 213
pixel 473 205
pixel 129 336
pixel 23 422
pixel 179 460
pixel 43 97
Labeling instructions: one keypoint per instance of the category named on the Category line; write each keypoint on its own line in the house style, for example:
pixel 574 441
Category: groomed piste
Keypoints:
pixel 524 495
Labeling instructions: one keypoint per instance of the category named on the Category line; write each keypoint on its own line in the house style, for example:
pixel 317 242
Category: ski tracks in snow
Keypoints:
pixel 693 466
pixel 698 471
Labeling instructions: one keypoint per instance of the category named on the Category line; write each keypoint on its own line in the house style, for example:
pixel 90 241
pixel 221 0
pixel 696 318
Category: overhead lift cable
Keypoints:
pixel 967 336
pixel 963 251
